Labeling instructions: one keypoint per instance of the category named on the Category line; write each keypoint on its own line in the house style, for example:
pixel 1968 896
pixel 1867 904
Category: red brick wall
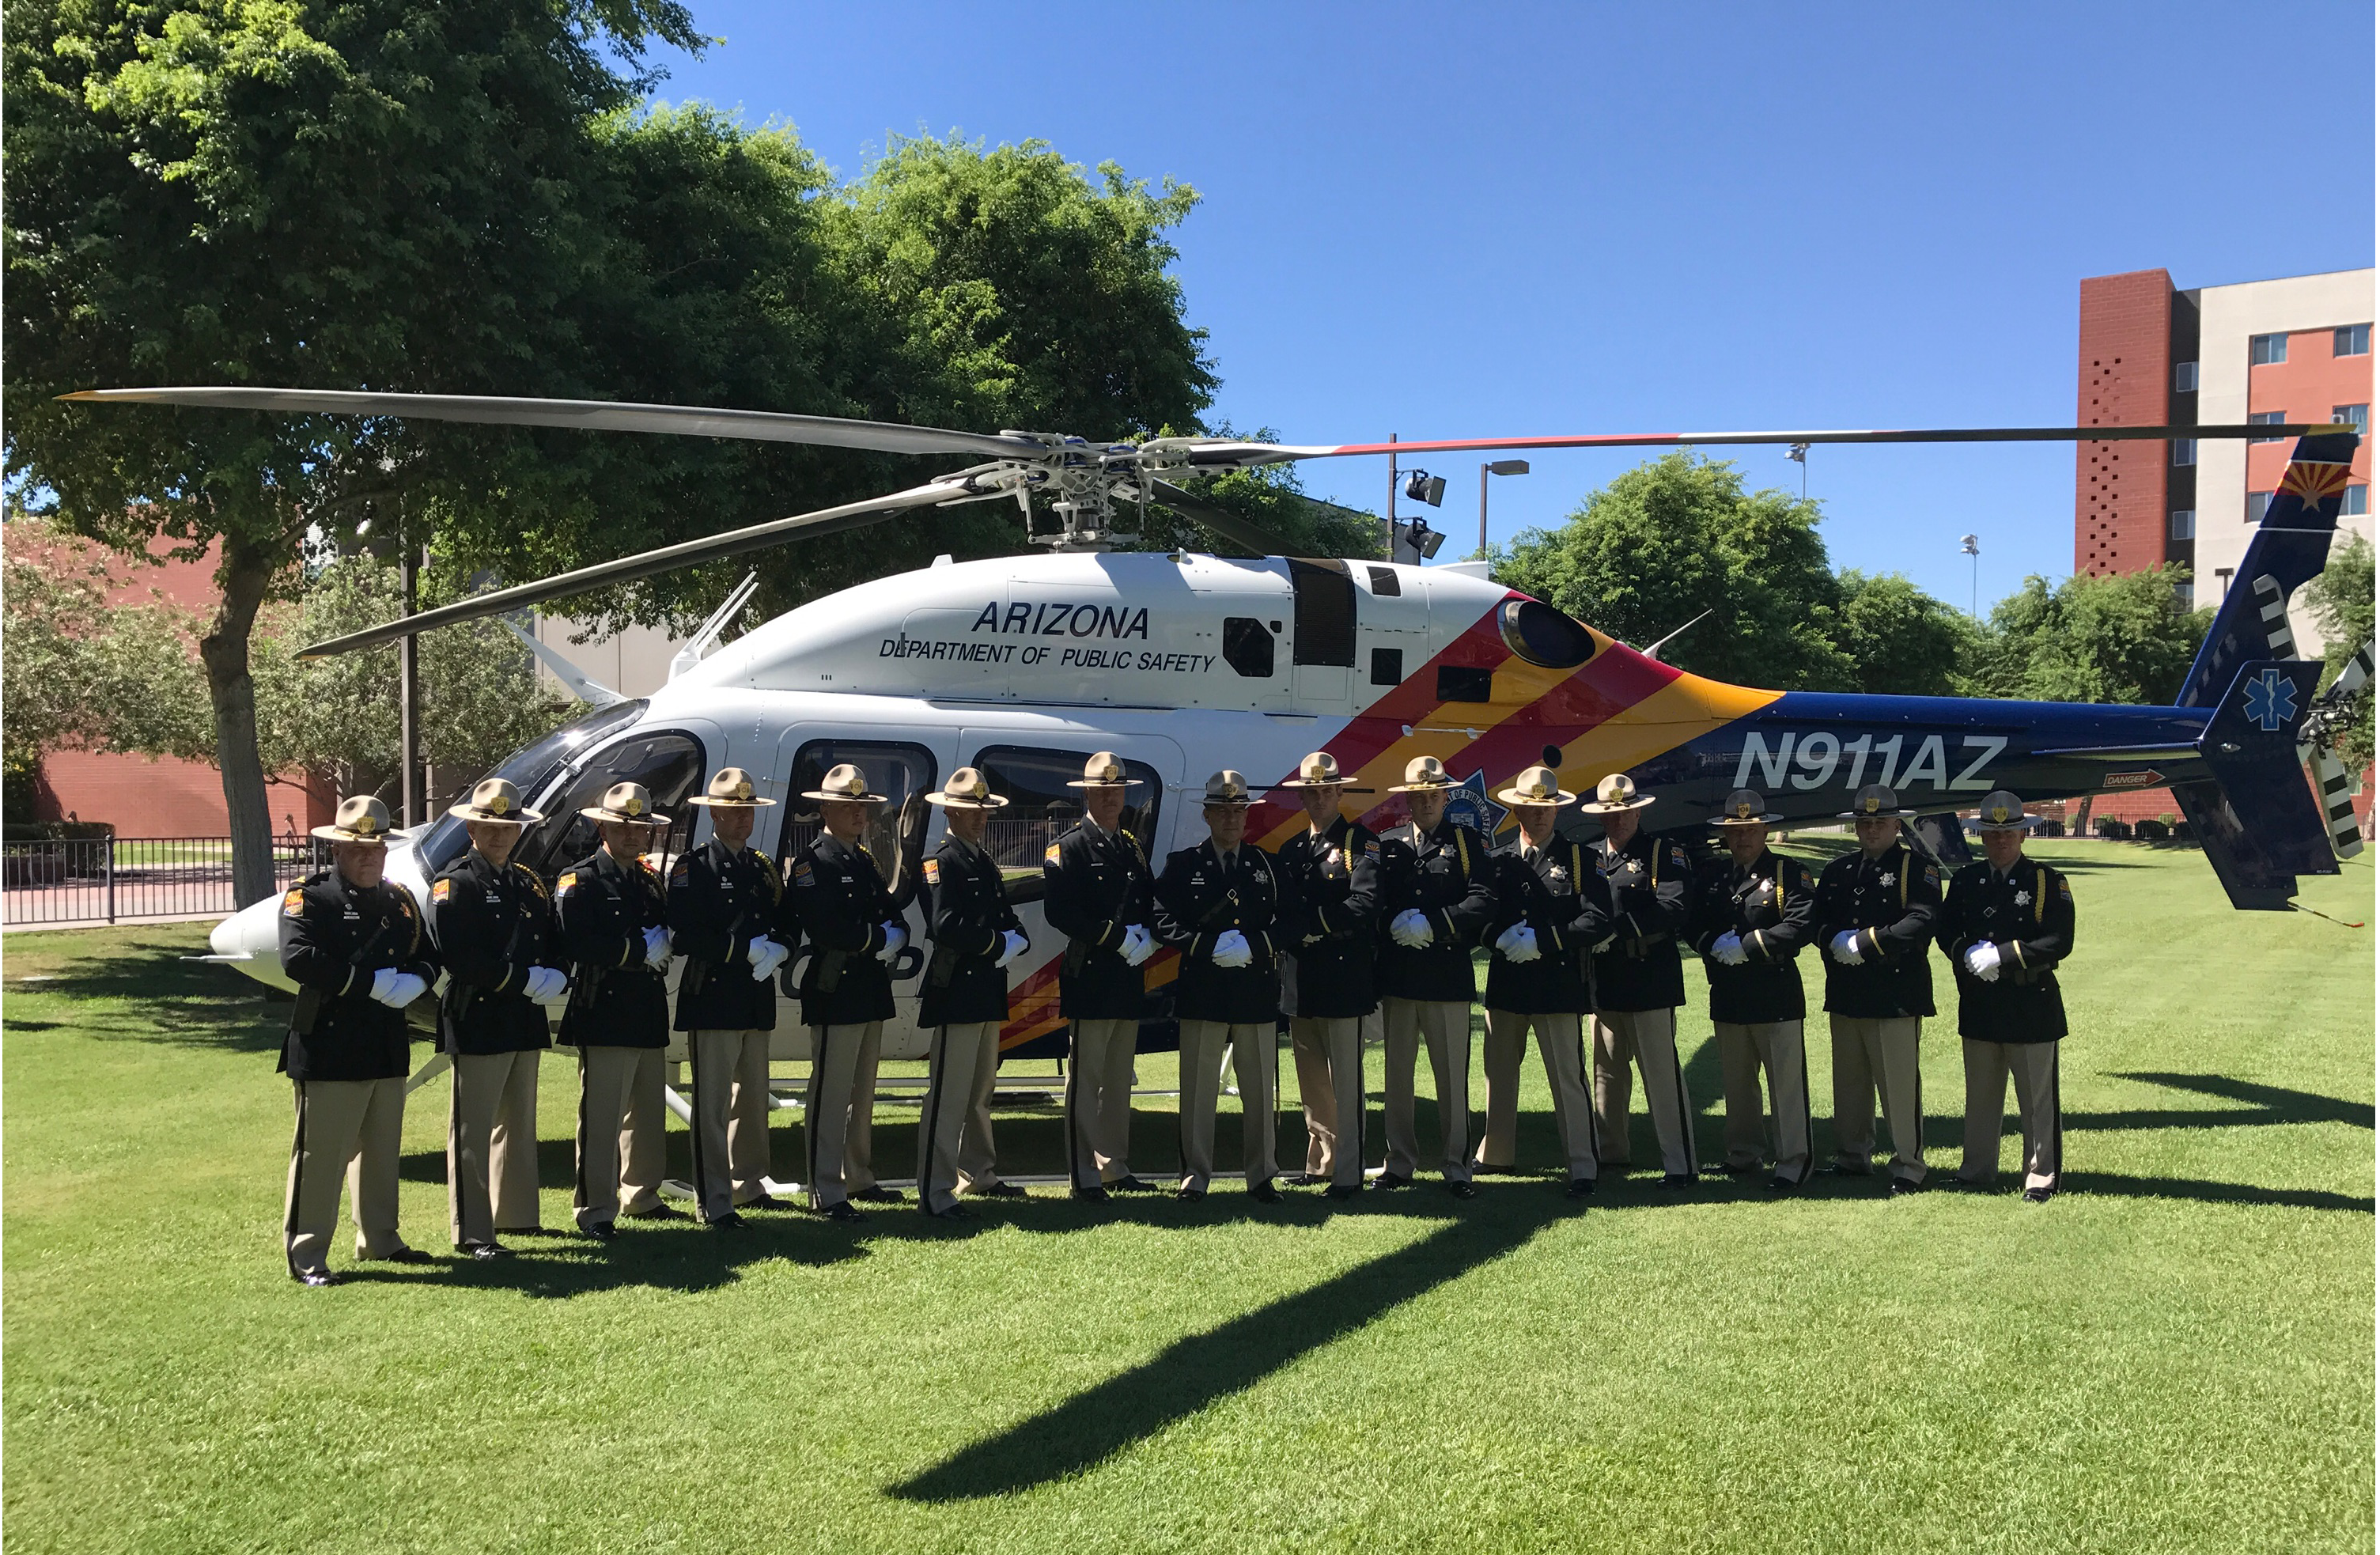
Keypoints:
pixel 2123 370
pixel 2307 387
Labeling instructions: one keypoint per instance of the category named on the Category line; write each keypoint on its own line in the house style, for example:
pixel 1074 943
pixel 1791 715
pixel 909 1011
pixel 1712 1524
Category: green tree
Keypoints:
pixel 2341 600
pixel 2123 638
pixel 1901 640
pixel 375 192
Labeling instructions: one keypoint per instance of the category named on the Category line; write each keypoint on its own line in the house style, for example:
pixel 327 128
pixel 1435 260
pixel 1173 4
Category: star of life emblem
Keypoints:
pixel 2270 700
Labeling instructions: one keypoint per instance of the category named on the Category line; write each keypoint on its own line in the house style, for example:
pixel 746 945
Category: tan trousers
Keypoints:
pixel 2035 1067
pixel 1329 1052
pixel 957 1058
pixel 1252 1057
pixel 622 1118
pixel 1648 1039
pixel 730 1118
pixel 1406 1026
pixel 1558 1043
pixel 347 1130
pixel 1867 1051
pixel 978 1157
pixel 492 1145
pixel 840 1117
pixel 1099 1101
pixel 1744 1052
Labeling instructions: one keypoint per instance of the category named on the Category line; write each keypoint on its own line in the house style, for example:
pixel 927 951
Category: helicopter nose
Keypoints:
pixel 251 940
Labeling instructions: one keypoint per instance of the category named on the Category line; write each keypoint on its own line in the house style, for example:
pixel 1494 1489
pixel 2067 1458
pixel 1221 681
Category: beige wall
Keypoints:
pixel 634 663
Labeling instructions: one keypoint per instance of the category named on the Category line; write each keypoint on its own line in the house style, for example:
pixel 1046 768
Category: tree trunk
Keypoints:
pixel 243 576
pixel 2082 817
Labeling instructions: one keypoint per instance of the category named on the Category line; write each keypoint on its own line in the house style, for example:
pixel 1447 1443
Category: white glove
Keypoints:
pixel 1411 930
pixel 1845 948
pixel 1983 960
pixel 766 957
pixel 1519 943
pixel 1728 950
pixel 657 947
pixel 395 988
pixel 895 936
pixel 1138 945
pixel 1014 946
pixel 544 982
pixel 1232 950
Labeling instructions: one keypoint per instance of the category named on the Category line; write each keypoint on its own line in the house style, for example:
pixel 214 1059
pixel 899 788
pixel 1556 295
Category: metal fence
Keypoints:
pixel 99 879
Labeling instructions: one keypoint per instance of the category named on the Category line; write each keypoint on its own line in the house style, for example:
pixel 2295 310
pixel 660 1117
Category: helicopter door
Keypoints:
pixel 1322 649
pixel 1392 636
pixel 1041 807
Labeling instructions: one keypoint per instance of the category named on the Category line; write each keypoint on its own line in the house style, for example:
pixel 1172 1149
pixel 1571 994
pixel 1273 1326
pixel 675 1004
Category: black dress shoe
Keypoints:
pixel 1305 1178
pixel 484 1251
pixel 730 1221
pixel 1676 1179
pixel 1341 1190
pixel 1193 1194
pixel 1391 1179
pixel 955 1212
pixel 660 1212
pixel 317 1277
pixel 1580 1187
pixel 877 1193
pixel 997 1190
pixel 1902 1187
pixel 402 1254
pixel 1090 1196
pixel 2037 1196
pixel 1129 1183
pixel 1265 1193
pixel 843 1212
pixel 601 1230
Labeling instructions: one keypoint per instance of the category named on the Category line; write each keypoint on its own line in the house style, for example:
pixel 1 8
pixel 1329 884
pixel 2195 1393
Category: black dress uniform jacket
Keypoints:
pixel 1771 906
pixel 1096 885
pixel 1652 897
pixel 969 920
pixel 1558 895
pixel 616 999
pixel 1198 898
pixel 1449 877
pixel 843 906
pixel 2029 913
pixel 1893 902
pixel 492 924
pixel 333 937
pixel 1329 885
pixel 720 900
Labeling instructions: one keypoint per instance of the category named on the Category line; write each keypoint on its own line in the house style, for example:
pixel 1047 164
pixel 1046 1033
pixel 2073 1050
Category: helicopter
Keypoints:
pixel 1023 667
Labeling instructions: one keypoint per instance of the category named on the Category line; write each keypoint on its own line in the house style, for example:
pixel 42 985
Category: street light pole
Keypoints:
pixel 1974 575
pixel 1388 533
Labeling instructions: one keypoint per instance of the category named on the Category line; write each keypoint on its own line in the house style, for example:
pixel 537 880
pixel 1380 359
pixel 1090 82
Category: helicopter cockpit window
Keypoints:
pixel 1326 612
pixel 904 773
pixel 1545 635
pixel 668 764
pixel 529 768
pixel 1247 647
pixel 1041 809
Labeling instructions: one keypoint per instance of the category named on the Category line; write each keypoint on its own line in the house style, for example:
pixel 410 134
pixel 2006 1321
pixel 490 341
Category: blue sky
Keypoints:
pixel 1446 222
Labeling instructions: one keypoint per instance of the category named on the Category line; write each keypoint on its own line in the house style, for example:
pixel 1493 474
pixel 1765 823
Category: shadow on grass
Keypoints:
pixel 2274 1103
pixel 2115 1185
pixel 165 998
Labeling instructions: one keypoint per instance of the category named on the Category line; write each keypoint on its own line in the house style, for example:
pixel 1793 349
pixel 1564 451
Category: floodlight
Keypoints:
pixel 1422 486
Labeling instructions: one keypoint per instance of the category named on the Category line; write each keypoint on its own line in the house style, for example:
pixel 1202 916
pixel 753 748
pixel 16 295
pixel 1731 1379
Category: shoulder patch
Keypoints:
pixel 802 874
pixel 569 878
pixel 441 890
pixel 2065 890
pixel 933 872
pixel 1933 875
pixel 680 870
pixel 293 903
pixel 1050 853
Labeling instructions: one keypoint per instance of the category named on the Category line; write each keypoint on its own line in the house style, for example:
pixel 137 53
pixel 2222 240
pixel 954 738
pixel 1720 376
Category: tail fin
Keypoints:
pixel 2289 547
pixel 2255 816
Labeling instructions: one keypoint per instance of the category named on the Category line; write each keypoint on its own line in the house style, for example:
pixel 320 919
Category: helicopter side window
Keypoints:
pixel 670 766
pixel 1326 612
pixel 1247 647
pixel 1041 809
pixel 1544 636
pixel 904 773
pixel 529 768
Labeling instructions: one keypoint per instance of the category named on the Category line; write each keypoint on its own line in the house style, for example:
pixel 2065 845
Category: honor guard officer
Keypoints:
pixel 1877 910
pixel 616 929
pixel 976 935
pixel 1753 914
pixel 1217 904
pixel 1329 876
pixel 1436 895
pixel 494 926
pixel 855 930
pixel 1639 982
pixel 1098 892
pixel 2007 923
pixel 352 943
pixel 727 917
pixel 1551 908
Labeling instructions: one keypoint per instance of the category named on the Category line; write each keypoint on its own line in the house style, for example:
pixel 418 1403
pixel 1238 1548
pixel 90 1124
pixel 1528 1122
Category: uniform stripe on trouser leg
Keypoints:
pixel 694 1129
pixel 2056 1126
pixel 810 1113
pixel 1073 1119
pixel 579 1161
pixel 297 1179
pixel 1686 1103
pixel 455 1149
pixel 1586 1074
pixel 937 1080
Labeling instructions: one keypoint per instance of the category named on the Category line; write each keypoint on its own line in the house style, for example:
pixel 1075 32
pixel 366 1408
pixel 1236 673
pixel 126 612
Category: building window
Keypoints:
pixel 2182 595
pixel 2185 378
pixel 2263 350
pixel 2185 524
pixel 2266 418
pixel 2257 503
pixel 2352 340
pixel 2357 415
pixel 2355 502
pixel 2185 451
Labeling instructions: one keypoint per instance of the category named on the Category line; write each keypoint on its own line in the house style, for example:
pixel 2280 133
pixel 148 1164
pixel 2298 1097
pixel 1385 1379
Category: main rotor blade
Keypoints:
pixel 588 414
pixel 1257 540
pixel 735 543
pixel 1236 455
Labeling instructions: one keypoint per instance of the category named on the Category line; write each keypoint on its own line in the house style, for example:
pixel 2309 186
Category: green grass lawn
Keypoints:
pixel 2176 1354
